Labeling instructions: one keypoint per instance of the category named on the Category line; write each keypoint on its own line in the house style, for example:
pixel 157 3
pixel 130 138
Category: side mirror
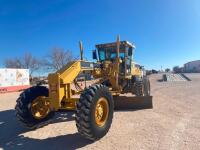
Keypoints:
pixel 94 54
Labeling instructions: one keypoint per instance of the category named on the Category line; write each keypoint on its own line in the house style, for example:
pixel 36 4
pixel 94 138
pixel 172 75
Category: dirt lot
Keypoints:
pixel 173 123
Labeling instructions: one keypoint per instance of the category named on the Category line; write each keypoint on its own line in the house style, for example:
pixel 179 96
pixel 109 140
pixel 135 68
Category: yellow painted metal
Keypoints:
pixel 70 104
pixel 70 72
pixel 40 107
pixel 55 91
pixel 60 83
pixel 101 111
pixel 115 93
pixel 116 66
pixel 136 70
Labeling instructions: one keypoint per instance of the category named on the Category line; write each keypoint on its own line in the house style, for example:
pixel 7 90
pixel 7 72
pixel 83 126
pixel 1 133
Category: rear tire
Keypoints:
pixel 139 88
pixel 86 112
pixel 142 88
pixel 147 87
pixel 23 109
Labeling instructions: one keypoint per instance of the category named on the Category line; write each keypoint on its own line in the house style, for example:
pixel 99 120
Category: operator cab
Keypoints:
pixel 108 53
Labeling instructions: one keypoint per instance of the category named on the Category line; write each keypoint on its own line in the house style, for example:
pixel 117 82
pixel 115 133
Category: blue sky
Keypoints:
pixel 165 32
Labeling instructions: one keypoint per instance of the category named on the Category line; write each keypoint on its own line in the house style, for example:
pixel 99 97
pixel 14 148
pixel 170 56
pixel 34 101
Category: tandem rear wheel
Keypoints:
pixel 142 88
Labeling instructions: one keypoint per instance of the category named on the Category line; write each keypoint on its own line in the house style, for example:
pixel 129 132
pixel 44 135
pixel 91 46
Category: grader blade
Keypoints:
pixel 133 102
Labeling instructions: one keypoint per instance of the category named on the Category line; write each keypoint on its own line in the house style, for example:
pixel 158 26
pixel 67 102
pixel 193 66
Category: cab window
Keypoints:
pixel 101 55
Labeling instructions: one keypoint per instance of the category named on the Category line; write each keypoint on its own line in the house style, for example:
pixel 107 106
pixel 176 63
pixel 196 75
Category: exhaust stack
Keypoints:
pixel 81 49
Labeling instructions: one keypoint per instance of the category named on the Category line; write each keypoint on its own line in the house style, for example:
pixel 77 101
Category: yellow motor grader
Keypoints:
pixel 114 73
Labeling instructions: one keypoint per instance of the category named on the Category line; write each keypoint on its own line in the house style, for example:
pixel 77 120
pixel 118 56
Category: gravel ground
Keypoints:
pixel 173 123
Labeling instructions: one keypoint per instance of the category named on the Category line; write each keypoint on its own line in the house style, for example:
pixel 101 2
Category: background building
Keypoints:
pixel 193 66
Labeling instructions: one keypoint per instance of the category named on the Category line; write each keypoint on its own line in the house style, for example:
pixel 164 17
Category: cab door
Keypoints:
pixel 128 61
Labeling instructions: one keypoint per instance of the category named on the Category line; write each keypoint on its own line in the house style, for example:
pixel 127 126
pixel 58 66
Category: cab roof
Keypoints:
pixel 122 43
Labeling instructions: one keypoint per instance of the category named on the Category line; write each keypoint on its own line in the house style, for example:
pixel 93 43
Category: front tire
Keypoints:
pixel 24 112
pixel 94 112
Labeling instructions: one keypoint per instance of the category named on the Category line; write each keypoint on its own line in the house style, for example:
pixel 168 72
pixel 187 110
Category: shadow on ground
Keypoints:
pixel 160 80
pixel 11 131
pixel 11 138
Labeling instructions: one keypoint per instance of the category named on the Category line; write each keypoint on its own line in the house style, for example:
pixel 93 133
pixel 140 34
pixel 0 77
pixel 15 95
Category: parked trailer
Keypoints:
pixel 14 79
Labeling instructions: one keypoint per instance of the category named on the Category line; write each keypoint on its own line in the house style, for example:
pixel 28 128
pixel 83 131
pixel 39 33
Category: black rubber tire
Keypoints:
pixel 23 112
pixel 85 112
pixel 138 88
pixel 147 87
pixel 142 88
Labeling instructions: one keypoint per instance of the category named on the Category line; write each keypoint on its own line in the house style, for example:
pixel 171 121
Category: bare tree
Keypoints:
pixel 25 62
pixel 58 58
pixel 31 63
pixel 55 60
pixel 13 63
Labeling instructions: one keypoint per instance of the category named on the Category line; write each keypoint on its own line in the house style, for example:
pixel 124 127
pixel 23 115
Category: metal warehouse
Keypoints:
pixel 193 66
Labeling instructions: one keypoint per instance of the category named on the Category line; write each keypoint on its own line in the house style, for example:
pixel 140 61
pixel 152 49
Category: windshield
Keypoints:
pixel 109 54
